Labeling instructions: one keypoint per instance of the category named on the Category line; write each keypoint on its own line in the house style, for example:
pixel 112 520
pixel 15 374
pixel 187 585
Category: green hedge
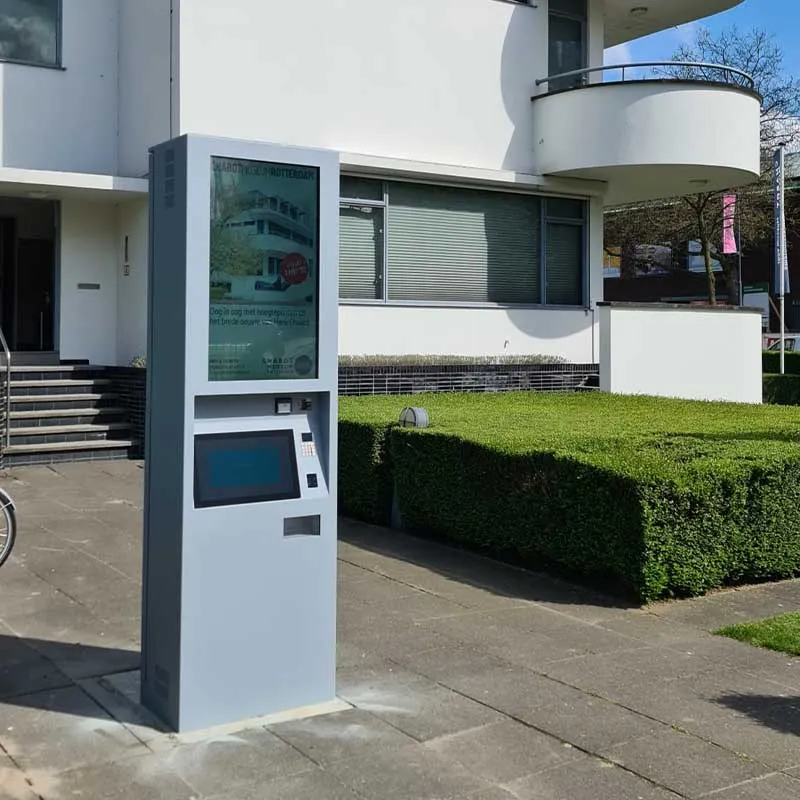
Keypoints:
pixel 782 390
pixel 655 497
pixel 771 362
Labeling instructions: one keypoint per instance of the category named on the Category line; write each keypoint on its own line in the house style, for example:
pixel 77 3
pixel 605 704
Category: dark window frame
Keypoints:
pixel 583 222
pixel 57 64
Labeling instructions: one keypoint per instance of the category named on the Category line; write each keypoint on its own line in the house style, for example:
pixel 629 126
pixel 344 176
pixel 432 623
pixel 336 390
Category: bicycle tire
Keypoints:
pixel 11 519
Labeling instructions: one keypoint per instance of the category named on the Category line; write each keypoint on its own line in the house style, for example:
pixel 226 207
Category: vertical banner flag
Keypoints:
pixel 781 255
pixel 728 222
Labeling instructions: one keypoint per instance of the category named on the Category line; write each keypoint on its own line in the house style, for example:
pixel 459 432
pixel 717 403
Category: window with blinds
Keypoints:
pixel 456 245
pixel 406 242
pixel 360 252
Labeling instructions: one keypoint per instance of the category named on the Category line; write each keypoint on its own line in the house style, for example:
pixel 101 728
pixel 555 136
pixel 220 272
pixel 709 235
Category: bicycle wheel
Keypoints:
pixel 8 527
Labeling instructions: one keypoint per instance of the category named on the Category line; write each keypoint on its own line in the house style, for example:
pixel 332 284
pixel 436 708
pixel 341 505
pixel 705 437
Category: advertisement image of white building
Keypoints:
pixel 479 141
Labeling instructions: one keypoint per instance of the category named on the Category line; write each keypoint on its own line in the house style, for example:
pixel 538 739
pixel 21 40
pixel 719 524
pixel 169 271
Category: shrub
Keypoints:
pixel 782 390
pixel 771 362
pixel 365 479
pixel 653 496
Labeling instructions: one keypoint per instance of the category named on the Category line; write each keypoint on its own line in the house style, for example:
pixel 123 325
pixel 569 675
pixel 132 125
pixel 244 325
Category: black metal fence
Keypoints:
pixel 130 383
pixel 417 379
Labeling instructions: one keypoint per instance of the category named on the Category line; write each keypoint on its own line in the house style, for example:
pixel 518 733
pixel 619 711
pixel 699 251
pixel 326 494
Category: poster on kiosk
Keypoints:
pixel 239 577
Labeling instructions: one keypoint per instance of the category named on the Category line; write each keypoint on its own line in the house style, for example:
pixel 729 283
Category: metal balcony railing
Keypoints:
pixel 651 71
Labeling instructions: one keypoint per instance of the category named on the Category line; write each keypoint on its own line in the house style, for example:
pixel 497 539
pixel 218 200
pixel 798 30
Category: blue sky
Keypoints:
pixel 781 17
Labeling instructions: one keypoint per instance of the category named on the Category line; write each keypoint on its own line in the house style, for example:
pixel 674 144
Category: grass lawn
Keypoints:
pixel 781 633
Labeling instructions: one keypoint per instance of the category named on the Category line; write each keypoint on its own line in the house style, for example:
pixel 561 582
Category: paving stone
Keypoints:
pixel 773 787
pixel 504 752
pixel 140 778
pixel 315 785
pixel 654 630
pixel 421 708
pixel 220 764
pixel 588 779
pixel 23 670
pixel 494 793
pixel 591 723
pixel 606 673
pixel 14 784
pixel 62 729
pixel 402 774
pixel 684 763
pixel 335 737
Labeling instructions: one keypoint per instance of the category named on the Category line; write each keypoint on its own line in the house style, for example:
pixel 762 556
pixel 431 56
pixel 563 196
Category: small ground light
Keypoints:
pixel 414 418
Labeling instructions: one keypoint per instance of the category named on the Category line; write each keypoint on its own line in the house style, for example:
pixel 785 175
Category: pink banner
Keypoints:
pixel 728 223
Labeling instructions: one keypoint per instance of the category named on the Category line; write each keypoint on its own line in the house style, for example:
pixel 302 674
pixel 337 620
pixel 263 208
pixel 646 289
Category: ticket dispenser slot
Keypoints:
pixel 240 537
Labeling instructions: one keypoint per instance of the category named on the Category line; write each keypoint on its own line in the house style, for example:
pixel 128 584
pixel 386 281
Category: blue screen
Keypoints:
pixel 256 466
pixel 245 467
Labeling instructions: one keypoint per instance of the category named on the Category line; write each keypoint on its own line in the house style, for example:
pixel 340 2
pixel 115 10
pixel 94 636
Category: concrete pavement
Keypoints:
pixel 466 678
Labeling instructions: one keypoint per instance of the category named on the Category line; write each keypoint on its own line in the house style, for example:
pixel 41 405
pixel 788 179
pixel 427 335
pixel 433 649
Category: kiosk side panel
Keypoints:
pixel 164 444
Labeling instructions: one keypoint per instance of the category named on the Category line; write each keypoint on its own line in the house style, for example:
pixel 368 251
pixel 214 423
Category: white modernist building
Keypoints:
pixel 472 188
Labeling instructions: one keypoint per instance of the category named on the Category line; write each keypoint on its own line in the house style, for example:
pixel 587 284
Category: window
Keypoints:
pixel 406 242
pixel 567 50
pixel 30 31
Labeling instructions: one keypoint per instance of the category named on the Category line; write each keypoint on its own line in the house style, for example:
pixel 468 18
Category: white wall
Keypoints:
pixel 692 353
pixel 144 81
pixel 132 288
pixel 66 119
pixel 405 330
pixel 88 317
pixel 636 136
pixel 446 81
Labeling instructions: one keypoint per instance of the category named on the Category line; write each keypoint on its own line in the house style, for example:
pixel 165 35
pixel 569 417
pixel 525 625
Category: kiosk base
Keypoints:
pixel 292 715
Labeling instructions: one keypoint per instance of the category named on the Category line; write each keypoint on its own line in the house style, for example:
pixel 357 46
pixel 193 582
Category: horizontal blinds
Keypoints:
pixel 462 245
pixel 564 260
pixel 360 252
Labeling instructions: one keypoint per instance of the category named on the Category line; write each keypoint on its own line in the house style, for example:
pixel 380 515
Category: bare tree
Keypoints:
pixel 700 217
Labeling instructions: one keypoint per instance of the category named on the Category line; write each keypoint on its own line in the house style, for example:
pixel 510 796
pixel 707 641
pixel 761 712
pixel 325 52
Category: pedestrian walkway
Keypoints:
pixel 465 679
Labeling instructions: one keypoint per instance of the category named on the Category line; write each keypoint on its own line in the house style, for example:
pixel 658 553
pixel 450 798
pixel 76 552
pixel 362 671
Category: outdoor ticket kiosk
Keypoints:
pixel 239 583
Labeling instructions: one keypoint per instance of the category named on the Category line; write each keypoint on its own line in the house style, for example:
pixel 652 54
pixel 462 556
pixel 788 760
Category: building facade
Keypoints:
pixel 478 146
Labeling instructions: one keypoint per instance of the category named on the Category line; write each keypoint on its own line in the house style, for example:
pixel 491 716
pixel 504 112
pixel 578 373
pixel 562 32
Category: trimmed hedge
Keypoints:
pixel 650 496
pixel 771 362
pixel 782 390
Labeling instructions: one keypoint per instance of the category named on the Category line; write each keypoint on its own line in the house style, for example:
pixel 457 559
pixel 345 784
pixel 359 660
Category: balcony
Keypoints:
pixel 649 130
pixel 630 19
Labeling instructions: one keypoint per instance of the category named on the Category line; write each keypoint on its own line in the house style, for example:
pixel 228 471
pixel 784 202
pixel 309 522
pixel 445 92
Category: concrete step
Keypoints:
pixel 58 430
pixel 56 387
pixel 18 455
pixel 61 402
pixel 57 413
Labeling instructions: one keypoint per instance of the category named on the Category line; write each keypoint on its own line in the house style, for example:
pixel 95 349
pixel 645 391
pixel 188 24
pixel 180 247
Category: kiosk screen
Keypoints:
pixel 249 467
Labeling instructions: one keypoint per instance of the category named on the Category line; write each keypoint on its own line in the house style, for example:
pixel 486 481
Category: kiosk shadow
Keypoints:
pixel 474 569
pixel 72 679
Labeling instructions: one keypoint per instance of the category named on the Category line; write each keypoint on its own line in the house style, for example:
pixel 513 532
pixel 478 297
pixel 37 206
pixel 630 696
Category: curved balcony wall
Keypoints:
pixel 650 138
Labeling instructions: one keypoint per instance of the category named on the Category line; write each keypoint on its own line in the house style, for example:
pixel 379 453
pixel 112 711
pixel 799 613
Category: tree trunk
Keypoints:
pixel 706 245
pixel 627 267
pixel 730 269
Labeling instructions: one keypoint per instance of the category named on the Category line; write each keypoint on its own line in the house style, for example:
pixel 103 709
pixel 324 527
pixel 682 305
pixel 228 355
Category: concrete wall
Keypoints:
pixel 446 81
pixel 66 119
pixel 132 287
pixel 398 330
pixel 88 317
pixel 692 353
pixel 144 81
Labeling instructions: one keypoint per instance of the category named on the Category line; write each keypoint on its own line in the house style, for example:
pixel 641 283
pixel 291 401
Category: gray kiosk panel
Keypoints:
pixel 240 490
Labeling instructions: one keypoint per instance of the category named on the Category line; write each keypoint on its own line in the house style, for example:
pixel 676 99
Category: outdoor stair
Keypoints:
pixel 64 412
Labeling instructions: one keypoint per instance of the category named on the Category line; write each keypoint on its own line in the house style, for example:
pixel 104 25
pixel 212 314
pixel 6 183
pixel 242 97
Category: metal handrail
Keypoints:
pixel 6 434
pixel 748 81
